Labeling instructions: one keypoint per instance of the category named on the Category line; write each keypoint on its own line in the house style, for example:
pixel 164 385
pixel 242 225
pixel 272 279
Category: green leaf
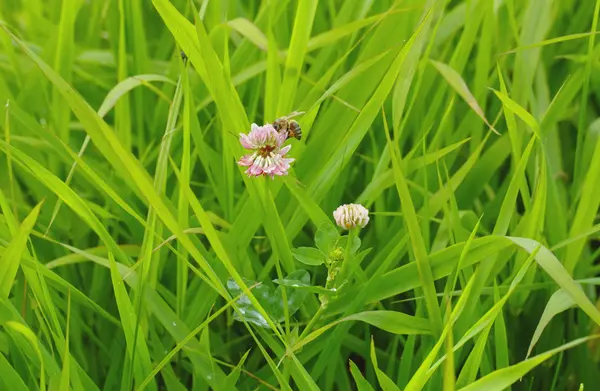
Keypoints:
pixel 393 322
pixel 416 236
pixel 263 294
pixel 586 209
pixel 500 337
pixel 297 284
pixel 458 84
pixel 361 383
pixel 296 297
pixel 407 324
pixel 326 237
pixel 520 112
pixel 250 31
pixel 385 382
pixel 406 277
pixel 301 376
pixel 545 42
pixel 10 377
pixel 343 242
pixel 234 375
pixel 470 369
pixel 312 209
pixel 423 373
pixel 559 274
pixel 305 16
pixel 332 36
pixel 188 339
pixel 11 259
pixel 66 369
pixel 134 339
pixel 196 45
pixel 271 300
pixel 499 380
pixel 30 336
pixel 127 85
pixel 308 256
pixel 559 302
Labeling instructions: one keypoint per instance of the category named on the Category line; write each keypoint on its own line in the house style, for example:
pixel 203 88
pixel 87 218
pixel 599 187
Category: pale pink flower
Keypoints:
pixel 268 156
pixel 351 215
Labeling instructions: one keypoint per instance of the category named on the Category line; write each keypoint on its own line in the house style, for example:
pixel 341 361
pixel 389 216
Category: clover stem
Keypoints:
pixel 270 207
pixel 352 233
pixel 314 320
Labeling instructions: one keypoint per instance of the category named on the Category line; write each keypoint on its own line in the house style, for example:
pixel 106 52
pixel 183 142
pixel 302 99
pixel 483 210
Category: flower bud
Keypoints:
pixel 351 215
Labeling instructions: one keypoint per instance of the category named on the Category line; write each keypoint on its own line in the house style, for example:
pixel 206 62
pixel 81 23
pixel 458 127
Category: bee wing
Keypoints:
pixel 292 115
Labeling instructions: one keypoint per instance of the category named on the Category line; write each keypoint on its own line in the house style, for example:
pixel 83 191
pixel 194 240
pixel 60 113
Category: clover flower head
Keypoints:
pixel 268 152
pixel 351 215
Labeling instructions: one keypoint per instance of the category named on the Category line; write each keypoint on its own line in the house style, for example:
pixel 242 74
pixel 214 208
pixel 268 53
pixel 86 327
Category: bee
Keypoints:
pixel 288 125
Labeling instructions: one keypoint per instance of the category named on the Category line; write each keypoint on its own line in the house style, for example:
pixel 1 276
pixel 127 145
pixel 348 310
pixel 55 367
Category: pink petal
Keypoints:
pixel 281 137
pixel 270 168
pixel 285 150
pixel 282 167
pixel 246 142
pixel 255 170
pixel 246 160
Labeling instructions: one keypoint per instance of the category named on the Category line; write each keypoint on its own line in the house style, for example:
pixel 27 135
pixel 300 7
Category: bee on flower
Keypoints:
pixel 289 126
pixel 268 153
pixel 351 215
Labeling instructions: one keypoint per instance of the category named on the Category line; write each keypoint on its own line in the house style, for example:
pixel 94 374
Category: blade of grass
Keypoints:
pixel 65 372
pixel 123 123
pixel 423 373
pixel 458 84
pixel 560 275
pixel 303 22
pixel 560 301
pixel 141 365
pixel 10 377
pixel 361 383
pixel 502 378
pixel 385 382
pixel 11 258
pixel 586 209
pixel 418 243
pixel 582 122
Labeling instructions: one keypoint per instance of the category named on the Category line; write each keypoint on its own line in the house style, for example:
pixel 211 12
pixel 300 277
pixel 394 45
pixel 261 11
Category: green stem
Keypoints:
pixel 286 314
pixel 352 233
pixel 312 322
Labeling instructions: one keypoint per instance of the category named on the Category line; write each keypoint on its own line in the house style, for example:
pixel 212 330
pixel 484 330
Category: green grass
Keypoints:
pixel 135 254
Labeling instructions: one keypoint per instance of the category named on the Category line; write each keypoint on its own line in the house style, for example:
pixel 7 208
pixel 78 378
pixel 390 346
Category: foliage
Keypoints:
pixel 136 254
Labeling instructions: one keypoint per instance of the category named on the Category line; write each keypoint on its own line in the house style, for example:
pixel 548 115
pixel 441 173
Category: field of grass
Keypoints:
pixel 137 254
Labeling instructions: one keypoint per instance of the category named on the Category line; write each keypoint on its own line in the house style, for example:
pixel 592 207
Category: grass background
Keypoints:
pixel 468 128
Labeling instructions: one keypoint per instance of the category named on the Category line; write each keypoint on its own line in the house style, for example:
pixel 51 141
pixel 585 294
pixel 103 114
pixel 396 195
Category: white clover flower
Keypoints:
pixel 351 215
